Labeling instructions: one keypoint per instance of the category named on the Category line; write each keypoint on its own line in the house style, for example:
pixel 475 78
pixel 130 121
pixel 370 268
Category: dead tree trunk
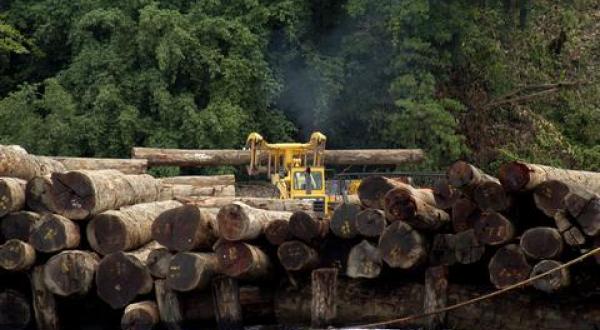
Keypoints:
pixel 54 233
pixel 18 225
pixel 343 220
pixel 465 176
pixel 490 195
pixel 297 256
pixel 372 190
pixel 508 266
pixel 273 204
pixel 142 315
pixel 126 229
pixel 186 228
pixel 22 165
pixel 14 310
pixel 238 221
pixel 39 194
pixel 324 291
pixel 403 205
pixel 364 261
pixel 542 243
pixel 201 180
pixel 517 176
pixel 44 304
pixel 190 271
pixel 168 306
pixel 436 287
pixel 71 273
pixel 80 194
pixel 278 231
pixel 242 260
pixel 464 214
pixel 401 246
pixel 370 222
pixel 125 166
pixel 227 307
pixel 467 248
pixel 303 226
pixel 158 262
pixel 493 228
pixel 16 255
pixel 12 195
pixel 554 281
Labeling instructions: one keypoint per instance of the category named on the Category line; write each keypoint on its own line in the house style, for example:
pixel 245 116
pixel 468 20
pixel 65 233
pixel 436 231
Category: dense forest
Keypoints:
pixel 482 80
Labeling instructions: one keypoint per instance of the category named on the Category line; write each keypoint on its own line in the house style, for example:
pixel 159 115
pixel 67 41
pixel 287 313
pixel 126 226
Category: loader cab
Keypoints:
pixel 309 183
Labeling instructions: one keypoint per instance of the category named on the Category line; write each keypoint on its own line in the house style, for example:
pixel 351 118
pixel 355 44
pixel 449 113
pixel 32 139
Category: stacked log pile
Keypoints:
pixel 123 249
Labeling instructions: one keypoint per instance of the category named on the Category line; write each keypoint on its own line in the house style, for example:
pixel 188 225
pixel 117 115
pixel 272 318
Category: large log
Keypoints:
pixel 242 260
pixel 18 225
pixel 542 243
pixel 227 306
pixel 12 195
pixel 571 234
pixel 273 204
pixel 343 220
pixel 508 266
pixel 493 228
pixel 71 272
pixel 554 281
pixel 43 301
pixel 466 176
pixel 15 312
pixel 79 194
pixel 39 194
pixel 195 158
pixel 54 233
pixel 19 164
pixel 364 261
pixel 436 287
pixel 126 229
pixel 238 221
pixel 372 190
pixel 517 176
pixel 411 206
pixel 201 180
pixel 122 276
pixel 401 246
pixel 490 195
pixel 142 315
pixel 158 262
pixel 589 217
pixel 303 226
pixel 126 166
pixel 278 231
pixel 186 228
pixel 169 308
pixel 445 194
pixel 185 192
pixel 16 255
pixel 467 248
pixel 297 256
pixel 191 271
pixel 370 222
pixel 549 196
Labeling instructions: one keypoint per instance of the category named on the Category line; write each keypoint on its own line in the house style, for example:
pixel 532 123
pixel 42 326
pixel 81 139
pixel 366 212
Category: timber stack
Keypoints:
pixel 100 242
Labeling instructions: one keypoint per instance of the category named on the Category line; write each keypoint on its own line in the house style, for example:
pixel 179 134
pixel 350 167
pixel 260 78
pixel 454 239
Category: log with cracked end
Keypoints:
pixel 343 220
pixel 186 228
pixel 141 315
pixel 190 271
pixel 364 261
pixel 521 176
pixel 18 225
pixel 508 266
pixel 402 246
pixel 238 221
pixel 297 256
pixel 54 233
pixel 542 243
pixel 12 195
pixel 554 281
pixel 242 260
pixel 71 272
pixel 16 255
pixel 19 164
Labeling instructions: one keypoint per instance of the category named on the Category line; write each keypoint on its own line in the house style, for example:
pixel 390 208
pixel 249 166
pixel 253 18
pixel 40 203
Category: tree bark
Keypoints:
pixel 12 195
pixel 238 221
pixel 370 223
pixel 80 194
pixel 445 194
pixel 227 307
pixel 493 228
pixel 196 158
pixel 39 194
pixel 518 176
pixel 126 229
pixel 190 271
pixel 465 176
pixel 372 190
pixel 343 221
pixel 16 255
pixel 364 261
pixel 122 276
pixel 401 246
pixel 278 231
pixel 14 310
pixel 158 262
pixel 186 228
pixel 404 205
pixel 142 315
pixel 303 226
pixel 71 272
pixel 273 204
pixel 18 225
pixel 554 281
pixel 168 306
pixel 443 250
pixel 542 243
pixel 436 287
pixel 297 256
pixel 242 260
pixel 184 192
pixel 125 166
pixel 44 304
pixel 490 195
pixel 508 266
pixel 324 291
pixel 19 164
pixel 201 180
pixel 467 248
pixel 589 218
pixel 464 214
pixel 54 233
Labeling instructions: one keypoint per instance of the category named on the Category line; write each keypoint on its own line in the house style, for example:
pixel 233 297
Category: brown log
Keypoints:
pixel 443 250
pixel 467 248
pixel 549 196
pixel 518 176
pixel 278 232
pixel 445 194
pixel 372 190
pixel 238 221
pixel 242 260
pixel 201 180
pixel 436 287
pixel 589 218
pixel 552 282
pixel 401 246
pixel 493 228
pixel 15 312
pixel 126 229
pixel 572 235
pixel 125 166
pixel 12 195
pixel 54 233
pixel 404 205
pixel 39 194
pixel 185 192
pixel 122 276
pixel 44 304
pixel 16 255
pixel 297 256
pixel 158 262
pixel 195 158
pixel 464 214
pixel 370 222
pixel 80 194
pixel 186 228
pixel 343 220
pixel 542 243
pixel 71 272
pixel 273 204
pixel 191 271
pixel 227 306
pixel 466 176
pixel 490 195
pixel 18 225
pixel 508 266
pixel 169 308
pixel 142 315
pixel 364 261
pixel 324 291
pixel 22 165
pixel 303 226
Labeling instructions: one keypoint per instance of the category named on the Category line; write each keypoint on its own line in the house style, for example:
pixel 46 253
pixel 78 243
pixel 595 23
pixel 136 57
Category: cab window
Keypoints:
pixel 316 181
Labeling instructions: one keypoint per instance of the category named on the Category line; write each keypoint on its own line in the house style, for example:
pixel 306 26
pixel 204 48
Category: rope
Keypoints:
pixel 481 298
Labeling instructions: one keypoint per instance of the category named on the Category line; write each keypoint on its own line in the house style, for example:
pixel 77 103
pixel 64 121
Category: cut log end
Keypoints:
pixel 552 282
pixel 400 205
pixel 445 194
pixel 12 195
pixel 372 189
pixel 508 266
pixel 140 316
pixel 70 273
pixel 490 195
pixel 242 260
pixel 278 232
pixel 158 262
pixel 183 229
pixel 467 248
pixel 514 176
pixel 370 222
pixel 493 228
pixel 464 214
pixel 297 256
pixel 54 233
pixel 303 226
pixel 120 278
pixel 550 196
pixel 107 234
pixel 401 246
pixel 15 311
pixel 232 222
pixel 343 221
pixel 190 271
pixel 364 261
pixel 16 255
pixel 460 174
pixel 18 225
pixel 542 243
pixel 73 195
